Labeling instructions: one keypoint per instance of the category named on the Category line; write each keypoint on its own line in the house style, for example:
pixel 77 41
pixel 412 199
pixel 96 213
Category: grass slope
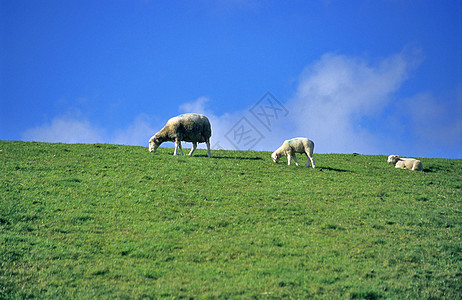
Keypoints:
pixel 107 221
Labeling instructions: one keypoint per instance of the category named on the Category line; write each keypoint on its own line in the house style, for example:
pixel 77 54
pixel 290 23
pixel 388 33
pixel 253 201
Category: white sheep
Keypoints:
pixel 292 146
pixel 405 163
pixel 193 128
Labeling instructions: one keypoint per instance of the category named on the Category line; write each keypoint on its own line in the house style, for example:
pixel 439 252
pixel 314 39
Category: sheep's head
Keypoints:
pixel 275 157
pixel 392 159
pixel 154 143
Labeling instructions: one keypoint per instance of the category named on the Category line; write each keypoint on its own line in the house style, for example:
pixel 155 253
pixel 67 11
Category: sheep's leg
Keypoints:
pixel 310 159
pixel 193 149
pixel 288 159
pixel 176 148
pixel 181 148
pixel 295 158
pixel 208 146
pixel 178 145
pixel 313 165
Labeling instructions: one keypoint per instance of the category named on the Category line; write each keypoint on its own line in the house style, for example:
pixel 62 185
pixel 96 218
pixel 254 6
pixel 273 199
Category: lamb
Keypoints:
pixel 405 163
pixel 292 146
pixel 193 128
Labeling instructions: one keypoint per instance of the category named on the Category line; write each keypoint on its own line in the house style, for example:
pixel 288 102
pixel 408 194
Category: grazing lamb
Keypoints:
pixel 296 145
pixel 405 163
pixel 193 128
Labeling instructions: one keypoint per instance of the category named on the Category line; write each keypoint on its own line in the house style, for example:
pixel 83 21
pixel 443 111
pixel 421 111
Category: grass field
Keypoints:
pixel 107 221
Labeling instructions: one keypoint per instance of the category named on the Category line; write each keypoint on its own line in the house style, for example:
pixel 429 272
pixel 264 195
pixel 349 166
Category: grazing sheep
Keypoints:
pixel 405 163
pixel 296 145
pixel 193 128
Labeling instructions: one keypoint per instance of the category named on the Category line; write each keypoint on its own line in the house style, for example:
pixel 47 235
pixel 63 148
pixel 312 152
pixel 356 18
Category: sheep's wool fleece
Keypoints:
pixel 405 163
pixel 411 164
pixel 191 127
pixel 299 145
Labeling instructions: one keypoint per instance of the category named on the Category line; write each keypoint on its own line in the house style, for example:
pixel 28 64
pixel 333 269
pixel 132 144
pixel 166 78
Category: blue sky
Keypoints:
pixel 372 77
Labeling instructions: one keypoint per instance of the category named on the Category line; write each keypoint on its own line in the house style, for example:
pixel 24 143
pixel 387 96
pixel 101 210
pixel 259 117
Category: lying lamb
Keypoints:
pixel 405 163
pixel 193 128
pixel 296 145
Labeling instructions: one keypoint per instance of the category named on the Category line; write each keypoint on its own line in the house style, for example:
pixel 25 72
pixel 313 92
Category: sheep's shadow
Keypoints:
pixel 232 157
pixel 220 157
pixel 334 169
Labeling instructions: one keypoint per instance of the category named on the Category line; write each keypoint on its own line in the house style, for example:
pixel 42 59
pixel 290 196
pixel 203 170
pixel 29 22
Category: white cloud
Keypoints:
pixel 197 106
pixel 65 130
pixel 436 124
pixel 337 93
pixel 74 129
pixel 137 133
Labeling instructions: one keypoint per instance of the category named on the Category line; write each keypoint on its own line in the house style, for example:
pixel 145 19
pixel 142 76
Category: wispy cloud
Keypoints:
pixel 339 98
pixel 436 124
pixel 65 129
pixel 137 133
pixel 76 129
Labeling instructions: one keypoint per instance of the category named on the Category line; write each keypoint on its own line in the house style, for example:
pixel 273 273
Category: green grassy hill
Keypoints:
pixel 108 221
